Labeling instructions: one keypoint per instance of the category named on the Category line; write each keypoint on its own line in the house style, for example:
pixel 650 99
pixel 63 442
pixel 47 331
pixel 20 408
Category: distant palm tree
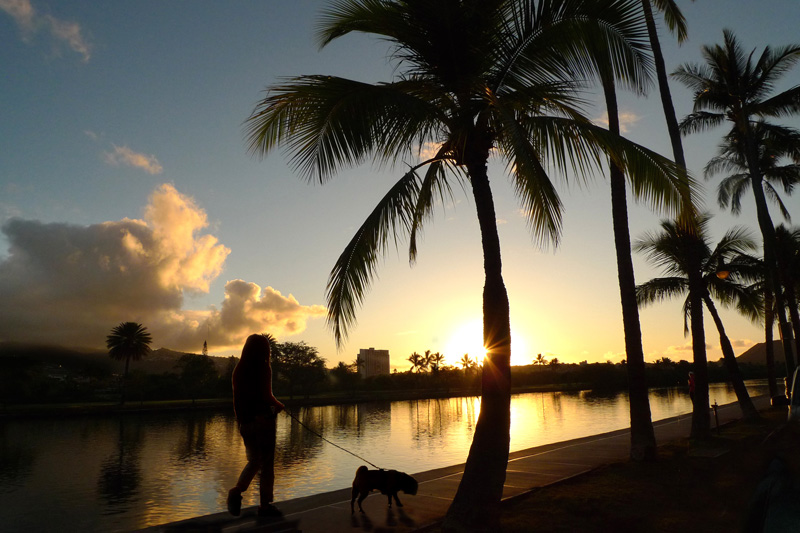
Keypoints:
pixel 417 362
pixel 128 341
pixel 735 86
pixel 436 360
pixel 467 363
pixel 540 360
pixel 475 77
pixel 677 249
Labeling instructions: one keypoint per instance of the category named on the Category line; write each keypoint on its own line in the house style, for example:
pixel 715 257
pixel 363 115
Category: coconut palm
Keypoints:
pixel 677 249
pixel 643 440
pixel 128 341
pixel 736 87
pixel 787 255
pixel 436 360
pixel 475 77
pixel 417 362
pixel 467 363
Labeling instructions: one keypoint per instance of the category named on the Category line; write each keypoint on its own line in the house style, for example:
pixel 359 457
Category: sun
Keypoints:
pixel 468 339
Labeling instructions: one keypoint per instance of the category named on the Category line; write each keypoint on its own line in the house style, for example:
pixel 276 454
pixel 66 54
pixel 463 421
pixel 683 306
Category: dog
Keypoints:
pixel 389 482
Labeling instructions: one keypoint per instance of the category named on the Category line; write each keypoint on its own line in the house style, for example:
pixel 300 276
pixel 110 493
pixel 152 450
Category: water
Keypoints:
pixel 119 473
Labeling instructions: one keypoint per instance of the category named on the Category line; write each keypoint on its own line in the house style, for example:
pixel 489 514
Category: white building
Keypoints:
pixel 373 362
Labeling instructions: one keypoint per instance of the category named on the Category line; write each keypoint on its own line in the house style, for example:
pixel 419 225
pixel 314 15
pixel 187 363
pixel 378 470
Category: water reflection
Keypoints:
pixel 124 473
pixel 120 473
pixel 16 461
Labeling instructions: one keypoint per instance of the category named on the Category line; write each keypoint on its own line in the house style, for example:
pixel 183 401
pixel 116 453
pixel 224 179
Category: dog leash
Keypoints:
pixel 329 442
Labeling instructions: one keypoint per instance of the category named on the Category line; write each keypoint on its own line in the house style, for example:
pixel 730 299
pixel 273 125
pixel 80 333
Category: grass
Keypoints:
pixel 692 487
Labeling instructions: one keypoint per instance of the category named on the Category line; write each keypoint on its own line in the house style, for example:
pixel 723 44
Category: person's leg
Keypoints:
pixel 252 452
pixel 267 480
pixel 252 446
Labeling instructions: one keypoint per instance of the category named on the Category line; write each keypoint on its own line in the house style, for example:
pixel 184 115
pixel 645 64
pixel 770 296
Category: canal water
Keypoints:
pixel 119 473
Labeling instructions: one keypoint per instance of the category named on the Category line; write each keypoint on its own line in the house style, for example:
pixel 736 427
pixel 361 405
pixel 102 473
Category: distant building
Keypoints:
pixel 373 362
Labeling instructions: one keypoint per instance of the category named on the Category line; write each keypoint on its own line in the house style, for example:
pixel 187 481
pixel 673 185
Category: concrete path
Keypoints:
pixel 527 469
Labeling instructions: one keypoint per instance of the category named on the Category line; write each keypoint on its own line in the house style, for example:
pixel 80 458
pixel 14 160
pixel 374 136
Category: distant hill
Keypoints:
pixel 757 354
pixel 93 361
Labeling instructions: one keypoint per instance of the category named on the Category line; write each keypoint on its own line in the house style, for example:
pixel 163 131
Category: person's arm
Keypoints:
pixel 266 388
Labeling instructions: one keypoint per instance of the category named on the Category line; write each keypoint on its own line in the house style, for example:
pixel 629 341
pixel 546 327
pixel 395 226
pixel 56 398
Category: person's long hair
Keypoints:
pixel 255 352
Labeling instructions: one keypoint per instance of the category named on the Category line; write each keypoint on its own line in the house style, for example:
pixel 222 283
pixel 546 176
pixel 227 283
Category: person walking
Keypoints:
pixel 256 409
pixel 691 386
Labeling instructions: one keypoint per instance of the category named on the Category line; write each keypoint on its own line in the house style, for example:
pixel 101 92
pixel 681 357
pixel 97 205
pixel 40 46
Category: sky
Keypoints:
pixel 127 194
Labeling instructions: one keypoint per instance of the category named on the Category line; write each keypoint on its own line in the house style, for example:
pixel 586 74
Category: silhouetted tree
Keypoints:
pixel 473 77
pixel 734 86
pixel 198 375
pixel 128 341
pixel 678 249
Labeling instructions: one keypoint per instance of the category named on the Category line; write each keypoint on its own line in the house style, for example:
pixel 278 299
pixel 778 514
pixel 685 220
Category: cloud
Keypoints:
pixel 31 23
pixel 742 343
pixel 122 155
pixel 627 120
pixel 68 284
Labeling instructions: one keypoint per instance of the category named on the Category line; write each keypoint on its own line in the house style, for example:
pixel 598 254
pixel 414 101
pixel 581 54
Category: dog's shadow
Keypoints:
pixel 401 517
pixel 361 520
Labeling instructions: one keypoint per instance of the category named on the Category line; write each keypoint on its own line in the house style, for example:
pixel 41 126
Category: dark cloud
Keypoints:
pixel 70 284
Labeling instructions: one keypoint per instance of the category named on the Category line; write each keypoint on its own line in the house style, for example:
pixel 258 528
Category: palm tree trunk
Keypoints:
pixel 643 440
pixel 663 86
pixel 791 304
pixel 769 346
pixel 124 381
pixel 476 505
pixel 770 259
pixel 745 403
pixel 701 421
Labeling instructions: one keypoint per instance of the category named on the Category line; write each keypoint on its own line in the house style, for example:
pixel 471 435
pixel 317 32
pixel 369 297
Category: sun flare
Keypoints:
pixel 467 339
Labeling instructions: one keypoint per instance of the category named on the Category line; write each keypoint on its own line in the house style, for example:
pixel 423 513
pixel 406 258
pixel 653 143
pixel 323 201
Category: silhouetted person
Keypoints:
pixel 691 386
pixel 256 409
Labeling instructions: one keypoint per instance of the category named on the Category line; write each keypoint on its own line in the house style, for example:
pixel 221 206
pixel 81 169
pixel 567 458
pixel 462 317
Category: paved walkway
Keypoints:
pixel 527 470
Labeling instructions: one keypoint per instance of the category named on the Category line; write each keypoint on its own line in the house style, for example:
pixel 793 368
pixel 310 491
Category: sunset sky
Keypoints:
pixel 126 193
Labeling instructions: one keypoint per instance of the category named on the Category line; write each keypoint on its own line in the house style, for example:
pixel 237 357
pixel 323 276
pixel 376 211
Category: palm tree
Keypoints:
pixel 466 362
pixel 475 77
pixel 787 254
pixel 540 360
pixel 417 362
pixel 643 440
pixel 128 341
pixel 735 86
pixel 676 23
pixel 678 249
pixel 436 360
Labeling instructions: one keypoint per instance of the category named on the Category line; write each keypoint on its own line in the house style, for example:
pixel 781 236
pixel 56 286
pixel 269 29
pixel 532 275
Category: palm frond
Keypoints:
pixel 354 270
pixel 674 18
pixel 661 289
pixel 326 122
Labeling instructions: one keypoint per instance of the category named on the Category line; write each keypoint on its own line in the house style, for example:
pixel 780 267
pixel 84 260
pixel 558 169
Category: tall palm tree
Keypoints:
pixel 777 147
pixel 678 249
pixel 643 440
pixel 735 86
pixel 787 255
pixel 128 341
pixel 475 77
pixel 676 23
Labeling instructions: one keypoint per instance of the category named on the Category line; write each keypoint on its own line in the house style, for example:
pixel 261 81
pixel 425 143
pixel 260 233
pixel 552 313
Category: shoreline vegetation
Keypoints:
pixel 44 381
